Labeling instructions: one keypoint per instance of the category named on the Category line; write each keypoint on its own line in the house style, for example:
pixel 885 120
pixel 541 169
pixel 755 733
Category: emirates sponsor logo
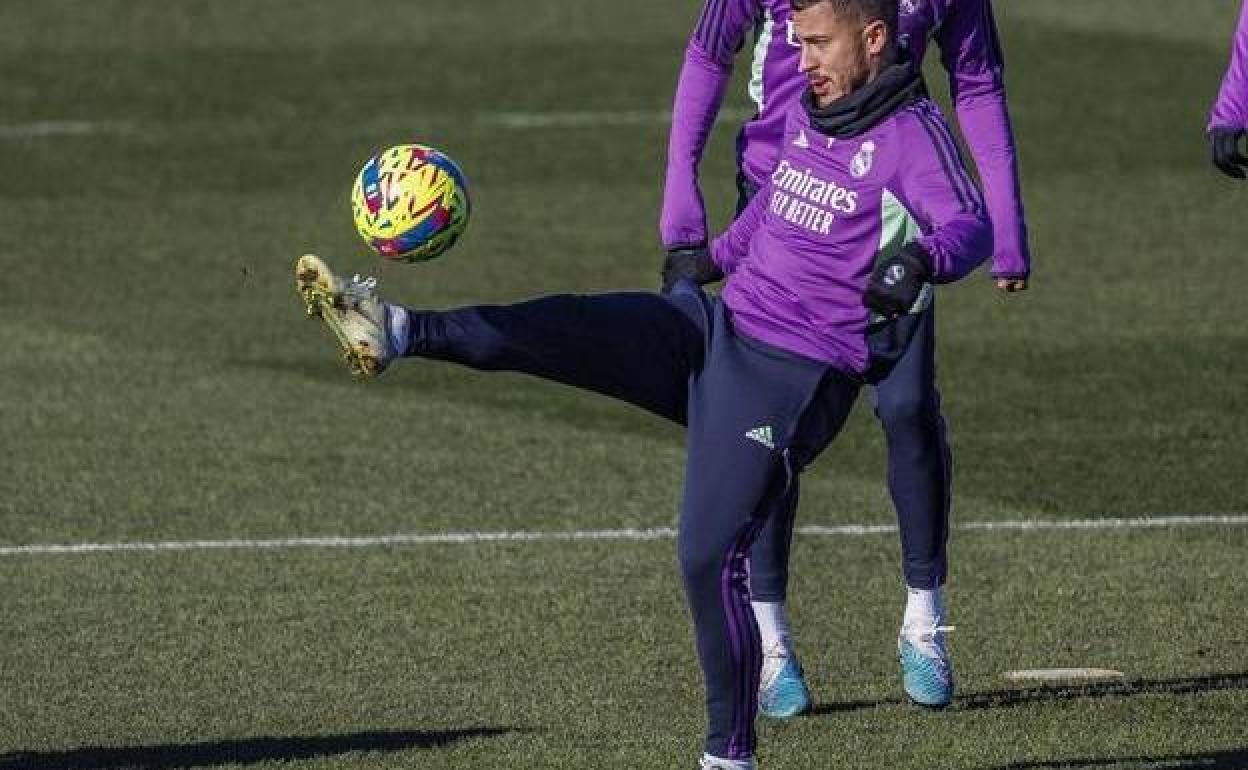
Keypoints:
pixel 802 198
pixel 807 185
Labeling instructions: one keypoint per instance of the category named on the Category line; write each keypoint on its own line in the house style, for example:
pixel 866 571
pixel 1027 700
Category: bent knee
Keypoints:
pixel 909 413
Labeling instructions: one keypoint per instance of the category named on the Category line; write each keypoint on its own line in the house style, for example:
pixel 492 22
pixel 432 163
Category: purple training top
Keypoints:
pixel 799 257
pixel 1231 108
pixel 967 36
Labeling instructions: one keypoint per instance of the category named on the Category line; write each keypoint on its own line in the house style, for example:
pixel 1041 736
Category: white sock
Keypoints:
pixel 727 764
pixel 397 322
pixel 773 625
pixel 924 608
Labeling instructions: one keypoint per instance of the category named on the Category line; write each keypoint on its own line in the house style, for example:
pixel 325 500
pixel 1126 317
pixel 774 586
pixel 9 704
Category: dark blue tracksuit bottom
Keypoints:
pixel 755 416
pixel 920 468
pixel 907 404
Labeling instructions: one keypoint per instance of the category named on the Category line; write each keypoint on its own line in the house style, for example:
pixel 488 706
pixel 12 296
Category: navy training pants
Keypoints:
pixel 920 468
pixel 755 417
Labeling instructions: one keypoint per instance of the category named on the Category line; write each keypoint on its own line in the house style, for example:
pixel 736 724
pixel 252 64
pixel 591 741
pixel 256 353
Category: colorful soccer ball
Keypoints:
pixel 410 203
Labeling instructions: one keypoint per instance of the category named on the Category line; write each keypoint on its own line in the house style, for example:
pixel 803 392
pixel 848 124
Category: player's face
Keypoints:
pixel 839 53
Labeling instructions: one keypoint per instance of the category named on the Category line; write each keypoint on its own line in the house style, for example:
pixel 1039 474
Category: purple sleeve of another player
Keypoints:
pixel 704 76
pixel 1231 108
pixel 733 245
pixel 971 53
pixel 936 187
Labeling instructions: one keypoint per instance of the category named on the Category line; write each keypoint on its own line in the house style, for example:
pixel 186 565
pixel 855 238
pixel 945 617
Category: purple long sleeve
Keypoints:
pixel 934 184
pixel 971 54
pixel 699 95
pixel 704 76
pixel 1231 108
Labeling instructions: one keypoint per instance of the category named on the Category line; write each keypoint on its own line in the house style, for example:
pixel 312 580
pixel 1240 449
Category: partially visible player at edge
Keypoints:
pixel 829 270
pixel 907 402
pixel 1228 123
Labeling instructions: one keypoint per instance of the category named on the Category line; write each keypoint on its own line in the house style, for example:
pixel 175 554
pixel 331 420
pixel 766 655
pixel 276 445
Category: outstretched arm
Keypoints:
pixel 704 76
pixel 971 54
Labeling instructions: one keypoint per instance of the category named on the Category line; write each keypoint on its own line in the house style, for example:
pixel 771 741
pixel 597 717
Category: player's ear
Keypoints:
pixel 875 35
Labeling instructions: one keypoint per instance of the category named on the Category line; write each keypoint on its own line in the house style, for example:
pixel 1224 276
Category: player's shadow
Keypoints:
pixel 989 699
pixel 243 751
pixel 1235 759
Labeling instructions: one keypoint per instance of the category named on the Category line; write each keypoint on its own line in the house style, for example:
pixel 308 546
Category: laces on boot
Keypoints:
pixel 778 650
pixel 926 634
pixel 361 288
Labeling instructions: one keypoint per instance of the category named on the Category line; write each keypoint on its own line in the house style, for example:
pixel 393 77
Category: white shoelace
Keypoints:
pixel 928 641
pixel 361 288
pixel 774 658
pixel 926 634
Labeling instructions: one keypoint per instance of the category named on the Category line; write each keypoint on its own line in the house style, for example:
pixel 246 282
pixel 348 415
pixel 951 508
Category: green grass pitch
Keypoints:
pixel 163 163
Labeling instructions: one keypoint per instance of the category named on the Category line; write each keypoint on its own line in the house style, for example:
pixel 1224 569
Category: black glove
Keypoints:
pixel 1226 155
pixel 895 283
pixel 691 262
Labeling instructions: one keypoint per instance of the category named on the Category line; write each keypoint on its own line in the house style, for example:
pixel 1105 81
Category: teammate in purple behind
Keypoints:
pixel 829 270
pixel 907 402
pixel 1228 125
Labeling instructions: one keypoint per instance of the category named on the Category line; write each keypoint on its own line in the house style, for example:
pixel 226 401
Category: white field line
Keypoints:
pixel 53 128
pixel 589 118
pixel 513 121
pixel 659 533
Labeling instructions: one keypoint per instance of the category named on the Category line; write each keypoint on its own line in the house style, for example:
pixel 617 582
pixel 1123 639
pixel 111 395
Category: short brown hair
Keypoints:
pixel 865 10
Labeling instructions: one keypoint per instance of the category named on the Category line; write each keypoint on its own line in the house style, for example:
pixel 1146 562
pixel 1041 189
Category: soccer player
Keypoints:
pixel 829 271
pixel 907 402
pixel 1228 124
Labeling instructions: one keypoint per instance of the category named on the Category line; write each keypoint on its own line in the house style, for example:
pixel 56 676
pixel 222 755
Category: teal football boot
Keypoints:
pixel 782 692
pixel 351 309
pixel 926 671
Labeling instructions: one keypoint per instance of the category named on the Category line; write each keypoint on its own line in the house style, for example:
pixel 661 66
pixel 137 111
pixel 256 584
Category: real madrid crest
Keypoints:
pixel 860 166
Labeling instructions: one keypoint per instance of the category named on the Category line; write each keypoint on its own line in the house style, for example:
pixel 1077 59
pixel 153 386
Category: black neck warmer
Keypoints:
pixel 897 85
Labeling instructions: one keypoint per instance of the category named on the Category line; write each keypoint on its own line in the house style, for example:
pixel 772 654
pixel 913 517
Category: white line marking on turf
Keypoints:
pixel 1062 674
pixel 525 120
pixel 52 128
pixel 1138 522
pixel 434 538
pixel 588 118
pixel 505 120
pixel 657 533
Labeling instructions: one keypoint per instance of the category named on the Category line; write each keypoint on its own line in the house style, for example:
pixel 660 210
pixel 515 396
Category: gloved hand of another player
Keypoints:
pixel 691 262
pixel 895 283
pixel 1226 154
